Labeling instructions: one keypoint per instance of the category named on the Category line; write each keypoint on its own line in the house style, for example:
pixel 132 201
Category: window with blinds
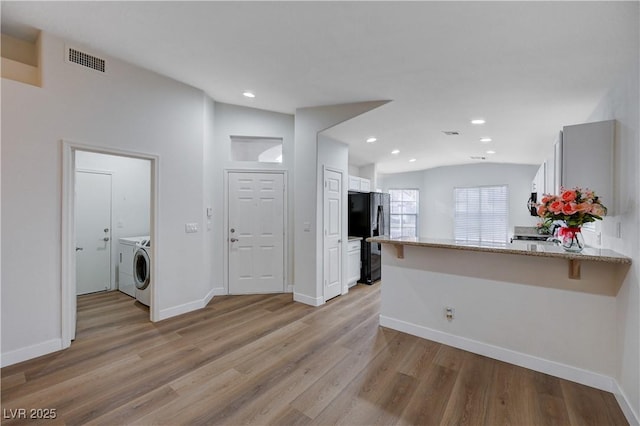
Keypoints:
pixel 481 214
pixel 404 212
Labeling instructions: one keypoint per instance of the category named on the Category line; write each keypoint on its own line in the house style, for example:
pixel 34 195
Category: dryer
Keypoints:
pixel 142 271
pixel 126 250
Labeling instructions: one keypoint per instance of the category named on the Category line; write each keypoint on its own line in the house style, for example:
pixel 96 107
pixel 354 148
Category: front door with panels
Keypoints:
pixel 332 218
pixel 93 231
pixel 256 232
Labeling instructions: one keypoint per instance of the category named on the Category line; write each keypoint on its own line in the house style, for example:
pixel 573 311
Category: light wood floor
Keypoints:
pixel 268 360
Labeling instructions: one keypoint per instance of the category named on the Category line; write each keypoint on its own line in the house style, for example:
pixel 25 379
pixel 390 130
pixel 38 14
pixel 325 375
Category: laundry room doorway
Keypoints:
pixel 109 197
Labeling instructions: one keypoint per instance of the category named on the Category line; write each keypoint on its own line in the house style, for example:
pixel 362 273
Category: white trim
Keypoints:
pixel 285 218
pixel 68 264
pixel 308 300
pixel 627 409
pixel 30 352
pixel 556 369
pixel 218 291
pixel 187 307
pixel 289 288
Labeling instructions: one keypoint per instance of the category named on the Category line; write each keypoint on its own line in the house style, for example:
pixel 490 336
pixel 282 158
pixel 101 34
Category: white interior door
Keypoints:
pixel 93 232
pixel 256 232
pixel 332 219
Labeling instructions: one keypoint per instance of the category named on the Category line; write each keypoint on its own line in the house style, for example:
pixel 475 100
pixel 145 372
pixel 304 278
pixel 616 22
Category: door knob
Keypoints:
pixel 233 240
pixel 232 230
pixel 106 238
pixel 79 249
pixel 106 229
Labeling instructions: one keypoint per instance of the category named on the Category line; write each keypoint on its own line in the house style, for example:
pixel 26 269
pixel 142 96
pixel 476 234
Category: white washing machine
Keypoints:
pixel 142 271
pixel 126 250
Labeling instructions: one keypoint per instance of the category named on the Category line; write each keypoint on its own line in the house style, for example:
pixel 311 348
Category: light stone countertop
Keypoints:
pixel 527 248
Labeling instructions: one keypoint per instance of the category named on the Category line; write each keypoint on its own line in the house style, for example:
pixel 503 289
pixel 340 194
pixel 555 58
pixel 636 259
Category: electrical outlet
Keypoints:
pixel 449 313
pixel 190 228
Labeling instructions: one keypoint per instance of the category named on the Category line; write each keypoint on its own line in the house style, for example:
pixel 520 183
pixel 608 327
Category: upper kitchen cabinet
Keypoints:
pixel 539 181
pixel 358 184
pixel 586 158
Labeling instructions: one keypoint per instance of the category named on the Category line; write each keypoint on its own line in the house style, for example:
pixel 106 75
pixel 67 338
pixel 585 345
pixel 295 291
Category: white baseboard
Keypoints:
pixel 29 352
pixel 307 300
pixel 556 369
pixel 188 307
pixel 218 291
pixel 632 417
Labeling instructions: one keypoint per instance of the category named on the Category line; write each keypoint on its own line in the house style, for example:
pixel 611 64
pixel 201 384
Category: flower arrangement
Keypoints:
pixel 573 206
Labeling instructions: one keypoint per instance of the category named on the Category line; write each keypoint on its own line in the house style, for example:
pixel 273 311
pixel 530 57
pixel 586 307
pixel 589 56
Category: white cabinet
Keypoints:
pixel 539 181
pixel 586 154
pixel 354 183
pixel 359 184
pixel 353 262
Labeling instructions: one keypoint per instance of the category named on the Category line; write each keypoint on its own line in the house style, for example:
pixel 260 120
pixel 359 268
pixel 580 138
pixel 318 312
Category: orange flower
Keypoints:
pixel 568 196
pixel 569 208
pixel 584 207
pixel 556 206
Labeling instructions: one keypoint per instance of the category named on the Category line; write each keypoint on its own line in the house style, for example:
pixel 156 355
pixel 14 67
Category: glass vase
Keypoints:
pixel 571 239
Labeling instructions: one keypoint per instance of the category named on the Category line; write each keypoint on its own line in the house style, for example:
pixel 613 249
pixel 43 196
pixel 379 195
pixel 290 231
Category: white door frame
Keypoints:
pixel 68 237
pixel 225 237
pixel 343 239
pixel 112 278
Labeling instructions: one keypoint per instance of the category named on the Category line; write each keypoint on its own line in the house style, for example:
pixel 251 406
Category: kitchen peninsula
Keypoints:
pixel 528 304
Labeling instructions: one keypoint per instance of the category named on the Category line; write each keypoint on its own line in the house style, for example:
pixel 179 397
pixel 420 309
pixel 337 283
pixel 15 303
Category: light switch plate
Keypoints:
pixel 190 228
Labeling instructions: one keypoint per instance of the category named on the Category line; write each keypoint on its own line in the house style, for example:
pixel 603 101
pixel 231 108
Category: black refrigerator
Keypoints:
pixel 369 217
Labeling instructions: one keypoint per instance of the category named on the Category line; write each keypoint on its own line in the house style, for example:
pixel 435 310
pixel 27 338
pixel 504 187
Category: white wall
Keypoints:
pixel 333 154
pixel 308 123
pixel 521 309
pixel 130 197
pixel 233 120
pixel 436 192
pixel 622 104
pixel 128 109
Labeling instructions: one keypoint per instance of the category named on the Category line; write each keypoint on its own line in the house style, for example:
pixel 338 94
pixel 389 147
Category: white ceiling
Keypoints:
pixel 528 68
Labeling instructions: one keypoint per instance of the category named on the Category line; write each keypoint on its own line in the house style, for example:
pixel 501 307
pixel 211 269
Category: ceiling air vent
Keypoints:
pixel 86 60
pixel 478 157
pixel 450 132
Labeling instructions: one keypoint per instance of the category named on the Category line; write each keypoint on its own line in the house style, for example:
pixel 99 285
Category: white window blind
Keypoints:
pixel 481 213
pixel 404 212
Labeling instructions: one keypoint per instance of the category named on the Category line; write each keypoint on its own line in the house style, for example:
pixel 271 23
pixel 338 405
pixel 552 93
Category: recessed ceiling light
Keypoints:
pixel 491 152
pixel 478 121
pixel 395 151
pixel 413 160
pixel 485 140
pixel 371 140
pixel 248 94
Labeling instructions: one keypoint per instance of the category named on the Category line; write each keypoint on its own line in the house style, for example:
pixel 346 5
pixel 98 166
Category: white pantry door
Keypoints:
pixel 256 232
pixel 332 219
pixel 93 232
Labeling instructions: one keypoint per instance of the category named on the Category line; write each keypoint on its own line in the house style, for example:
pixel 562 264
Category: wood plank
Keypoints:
pixel 265 359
